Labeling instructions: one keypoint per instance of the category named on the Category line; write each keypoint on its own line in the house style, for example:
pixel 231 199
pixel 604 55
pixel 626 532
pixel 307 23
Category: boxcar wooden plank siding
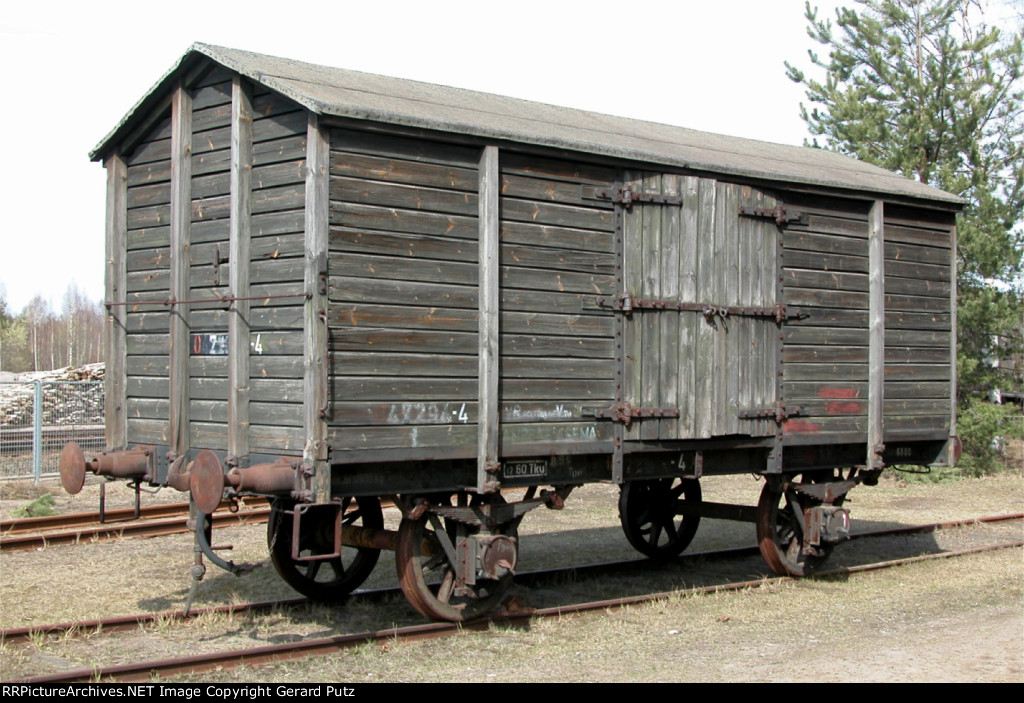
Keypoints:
pixel 369 269
pixel 918 269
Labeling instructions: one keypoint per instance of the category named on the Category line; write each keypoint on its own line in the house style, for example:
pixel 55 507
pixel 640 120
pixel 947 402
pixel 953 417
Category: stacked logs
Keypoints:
pixel 63 404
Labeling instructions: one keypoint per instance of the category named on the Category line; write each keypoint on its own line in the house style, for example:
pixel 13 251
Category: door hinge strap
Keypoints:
pixel 779 412
pixel 777 213
pixel 624 413
pixel 626 196
pixel 626 304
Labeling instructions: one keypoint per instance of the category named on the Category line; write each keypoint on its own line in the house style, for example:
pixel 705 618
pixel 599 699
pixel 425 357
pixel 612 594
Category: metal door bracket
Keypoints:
pixel 777 213
pixel 624 413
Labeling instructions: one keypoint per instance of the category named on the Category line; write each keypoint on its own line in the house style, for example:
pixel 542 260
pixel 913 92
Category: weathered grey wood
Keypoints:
pixel 952 347
pixel 146 431
pixel 240 236
pixel 115 292
pixel 180 221
pixel 705 334
pixel 488 424
pixel 688 247
pixel 650 242
pixel 670 354
pixel 393 145
pixel 876 336
pixel 315 353
pixel 632 282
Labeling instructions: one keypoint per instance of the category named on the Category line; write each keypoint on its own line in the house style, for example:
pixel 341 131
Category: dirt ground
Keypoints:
pixel 959 619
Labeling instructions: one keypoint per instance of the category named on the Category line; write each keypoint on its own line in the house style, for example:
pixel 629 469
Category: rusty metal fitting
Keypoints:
pixel 277 478
pixel 133 464
pixel 177 478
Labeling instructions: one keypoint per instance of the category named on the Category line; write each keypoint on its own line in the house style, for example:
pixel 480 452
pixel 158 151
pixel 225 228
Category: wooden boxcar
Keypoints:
pixel 328 287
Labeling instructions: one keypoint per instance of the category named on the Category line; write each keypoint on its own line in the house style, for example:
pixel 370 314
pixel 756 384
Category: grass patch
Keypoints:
pixel 43 506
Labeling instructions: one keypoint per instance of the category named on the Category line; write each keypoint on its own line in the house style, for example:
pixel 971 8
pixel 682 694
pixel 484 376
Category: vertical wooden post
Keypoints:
pixel 181 226
pixel 950 456
pixel 316 367
pixel 876 334
pixel 488 417
pixel 116 419
pixel 240 233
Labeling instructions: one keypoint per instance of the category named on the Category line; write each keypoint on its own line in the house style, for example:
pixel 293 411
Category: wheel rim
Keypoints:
pixel 779 534
pixel 651 513
pixel 427 577
pixel 323 580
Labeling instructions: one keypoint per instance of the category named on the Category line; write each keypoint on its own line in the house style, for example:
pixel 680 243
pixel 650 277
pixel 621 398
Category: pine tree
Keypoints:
pixel 925 88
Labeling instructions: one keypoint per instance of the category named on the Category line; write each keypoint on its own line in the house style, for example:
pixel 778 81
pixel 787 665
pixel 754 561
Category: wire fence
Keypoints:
pixel 38 417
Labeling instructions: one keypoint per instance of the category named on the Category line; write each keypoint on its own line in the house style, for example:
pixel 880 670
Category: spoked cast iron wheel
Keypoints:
pixel 651 515
pixel 323 580
pixel 779 533
pixel 426 575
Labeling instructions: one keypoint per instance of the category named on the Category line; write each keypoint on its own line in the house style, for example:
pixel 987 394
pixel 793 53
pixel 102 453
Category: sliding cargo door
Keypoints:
pixel 700 328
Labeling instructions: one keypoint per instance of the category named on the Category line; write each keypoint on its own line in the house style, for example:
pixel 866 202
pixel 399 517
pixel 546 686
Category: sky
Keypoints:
pixel 72 70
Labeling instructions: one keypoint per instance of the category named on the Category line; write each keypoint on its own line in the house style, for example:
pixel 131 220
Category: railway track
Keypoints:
pixel 152 521
pixel 512 612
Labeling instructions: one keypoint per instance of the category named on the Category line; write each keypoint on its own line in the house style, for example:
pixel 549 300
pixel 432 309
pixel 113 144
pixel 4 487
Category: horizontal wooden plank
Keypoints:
pixel 286 149
pixel 274 439
pixel 815 261
pixel 825 335
pixel 556 238
pixel 157 148
pixel 555 191
pixel 409 148
pixel 139 281
pixel 151 237
pixel 438 200
pixel 278 125
pixel 454 413
pixel 811 297
pixel 896 319
pixel 556 169
pixel 146 217
pixel 377 218
pixel 910 269
pixel 147 431
pixel 148 259
pixel 918 235
pixel 147 322
pixel 917 372
pixel 377 363
pixel 408 172
pixel 208 435
pixel 825 280
pixel 833 372
pixel 556 214
pixel 411 437
pixel 280 414
pixel 898 251
pixel 915 286
pixel 148 195
pixel 147 387
pixel 823 244
pixel 456 320
pixel 796 391
pixel 429 340
pixel 147 365
pixel 148 408
pixel 917 303
pixel 147 344
pixel 149 174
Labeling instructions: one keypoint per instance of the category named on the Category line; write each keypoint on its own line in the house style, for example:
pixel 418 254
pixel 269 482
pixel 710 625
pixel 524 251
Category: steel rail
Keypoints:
pixel 536 577
pixel 201 663
pixel 66 521
pixel 133 528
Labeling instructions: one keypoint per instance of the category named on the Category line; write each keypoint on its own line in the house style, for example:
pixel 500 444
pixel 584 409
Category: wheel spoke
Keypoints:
pixel 313 570
pixel 444 591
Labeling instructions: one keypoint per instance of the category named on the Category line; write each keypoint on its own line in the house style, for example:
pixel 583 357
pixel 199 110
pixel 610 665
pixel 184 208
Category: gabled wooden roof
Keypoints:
pixel 352 94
